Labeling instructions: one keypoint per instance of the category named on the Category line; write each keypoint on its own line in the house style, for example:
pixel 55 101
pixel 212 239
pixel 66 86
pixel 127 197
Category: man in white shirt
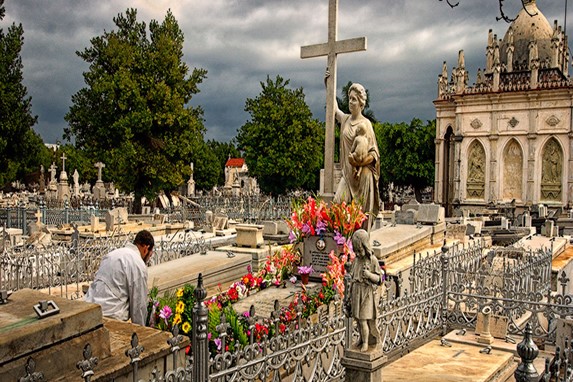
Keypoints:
pixel 120 284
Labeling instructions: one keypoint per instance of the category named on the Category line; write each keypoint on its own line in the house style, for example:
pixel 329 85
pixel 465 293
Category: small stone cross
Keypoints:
pixel 64 161
pixel 331 49
pixel 99 166
pixel 38 216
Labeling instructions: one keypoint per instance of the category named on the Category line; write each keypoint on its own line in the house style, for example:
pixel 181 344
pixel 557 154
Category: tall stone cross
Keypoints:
pixel 99 166
pixel 63 158
pixel 331 49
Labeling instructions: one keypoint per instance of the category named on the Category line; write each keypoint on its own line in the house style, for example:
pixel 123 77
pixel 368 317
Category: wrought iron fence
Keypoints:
pixel 64 266
pixel 304 351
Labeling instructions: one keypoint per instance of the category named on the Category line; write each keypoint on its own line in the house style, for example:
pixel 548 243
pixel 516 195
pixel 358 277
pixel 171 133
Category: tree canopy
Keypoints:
pixel 22 150
pixel 282 142
pixel 407 153
pixel 134 114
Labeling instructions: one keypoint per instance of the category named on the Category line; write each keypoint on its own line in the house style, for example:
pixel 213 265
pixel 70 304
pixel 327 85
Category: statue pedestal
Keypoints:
pixel 364 366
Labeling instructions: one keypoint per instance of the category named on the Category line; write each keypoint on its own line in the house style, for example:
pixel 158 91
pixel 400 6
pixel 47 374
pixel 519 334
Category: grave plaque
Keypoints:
pixel 316 251
pixel 497 325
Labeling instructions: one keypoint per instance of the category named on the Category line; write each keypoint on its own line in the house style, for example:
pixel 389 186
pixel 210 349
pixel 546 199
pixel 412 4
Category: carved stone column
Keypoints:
pixel 530 191
pixel 439 171
pixel 493 170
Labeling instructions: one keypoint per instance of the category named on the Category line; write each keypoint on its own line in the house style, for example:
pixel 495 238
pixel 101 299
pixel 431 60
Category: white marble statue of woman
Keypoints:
pixel 362 189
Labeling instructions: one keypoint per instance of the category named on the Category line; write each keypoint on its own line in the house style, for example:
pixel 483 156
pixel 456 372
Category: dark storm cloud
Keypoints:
pixel 241 42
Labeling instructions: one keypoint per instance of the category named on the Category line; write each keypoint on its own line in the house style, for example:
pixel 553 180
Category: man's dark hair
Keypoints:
pixel 144 237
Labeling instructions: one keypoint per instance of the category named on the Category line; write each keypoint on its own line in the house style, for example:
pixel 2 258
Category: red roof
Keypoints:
pixel 235 162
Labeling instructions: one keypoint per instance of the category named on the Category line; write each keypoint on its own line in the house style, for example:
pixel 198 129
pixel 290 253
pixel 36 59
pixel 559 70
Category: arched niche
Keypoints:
pixel 512 171
pixel 476 167
pixel 551 171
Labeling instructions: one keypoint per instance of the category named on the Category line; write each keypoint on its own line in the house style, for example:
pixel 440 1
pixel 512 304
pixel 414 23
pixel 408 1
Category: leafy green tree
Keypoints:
pixel 407 154
pixel 134 114
pixel 223 151
pixel 282 143
pixel 22 151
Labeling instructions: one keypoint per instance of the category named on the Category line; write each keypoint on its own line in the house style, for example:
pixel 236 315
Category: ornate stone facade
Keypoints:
pixel 508 136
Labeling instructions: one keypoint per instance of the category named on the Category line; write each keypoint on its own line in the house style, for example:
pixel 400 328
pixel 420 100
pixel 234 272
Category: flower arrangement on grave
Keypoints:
pixel 315 217
pixel 309 218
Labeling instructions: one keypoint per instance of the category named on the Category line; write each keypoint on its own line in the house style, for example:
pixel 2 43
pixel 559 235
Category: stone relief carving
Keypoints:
pixel 512 171
pixel 551 171
pixel 476 123
pixel 552 121
pixel 475 184
pixel 513 122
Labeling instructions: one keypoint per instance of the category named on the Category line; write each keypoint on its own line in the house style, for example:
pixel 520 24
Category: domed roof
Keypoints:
pixel 529 25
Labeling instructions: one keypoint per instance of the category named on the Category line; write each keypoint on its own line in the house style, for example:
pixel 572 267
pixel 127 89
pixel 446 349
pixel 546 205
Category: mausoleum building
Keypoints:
pixel 508 137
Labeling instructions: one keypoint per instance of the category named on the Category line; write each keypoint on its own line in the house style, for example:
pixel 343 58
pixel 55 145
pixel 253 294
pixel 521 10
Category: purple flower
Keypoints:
pixel 340 240
pixel 292 237
pixel 320 227
pixel 246 314
pixel 305 270
pixel 349 244
pixel 218 342
pixel 249 269
pixel 306 229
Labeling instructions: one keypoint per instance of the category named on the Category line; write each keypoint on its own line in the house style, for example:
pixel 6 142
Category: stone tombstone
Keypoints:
pixel 485 336
pixel 456 231
pixel 406 216
pixel 271 228
pixel 504 223
pixel 114 217
pixel 55 341
pixel 316 253
pixel 548 228
pixel 497 325
pixel 474 227
pixel 542 211
pixel 526 220
pixel 249 235
pixel 220 222
pixel 159 219
pixel 412 204
pixel 431 214
pixel 94 223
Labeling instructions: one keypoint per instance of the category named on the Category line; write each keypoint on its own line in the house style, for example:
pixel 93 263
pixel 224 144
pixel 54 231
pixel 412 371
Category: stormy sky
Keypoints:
pixel 241 42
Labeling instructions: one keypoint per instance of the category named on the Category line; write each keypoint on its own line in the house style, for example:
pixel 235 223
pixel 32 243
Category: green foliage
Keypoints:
pixel 223 151
pixel 22 151
pixel 134 114
pixel 407 153
pixel 282 143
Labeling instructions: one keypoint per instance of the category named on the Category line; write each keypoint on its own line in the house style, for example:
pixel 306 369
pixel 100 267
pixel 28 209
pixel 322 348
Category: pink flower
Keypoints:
pixel 165 313
pixel 305 270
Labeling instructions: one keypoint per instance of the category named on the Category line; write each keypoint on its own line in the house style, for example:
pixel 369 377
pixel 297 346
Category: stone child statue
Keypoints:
pixel 366 276
pixel 359 149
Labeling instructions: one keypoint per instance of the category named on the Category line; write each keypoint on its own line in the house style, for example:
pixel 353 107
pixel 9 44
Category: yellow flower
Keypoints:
pixel 177 319
pixel 179 293
pixel 186 327
pixel 180 307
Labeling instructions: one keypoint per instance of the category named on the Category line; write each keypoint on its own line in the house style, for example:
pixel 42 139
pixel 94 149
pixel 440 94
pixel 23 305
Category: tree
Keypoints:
pixel 22 150
pixel 407 154
pixel 502 15
pixel 223 151
pixel 135 114
pixel 282 143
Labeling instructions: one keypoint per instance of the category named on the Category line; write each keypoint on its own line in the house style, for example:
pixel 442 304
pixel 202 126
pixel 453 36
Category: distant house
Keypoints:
pixel 237 180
